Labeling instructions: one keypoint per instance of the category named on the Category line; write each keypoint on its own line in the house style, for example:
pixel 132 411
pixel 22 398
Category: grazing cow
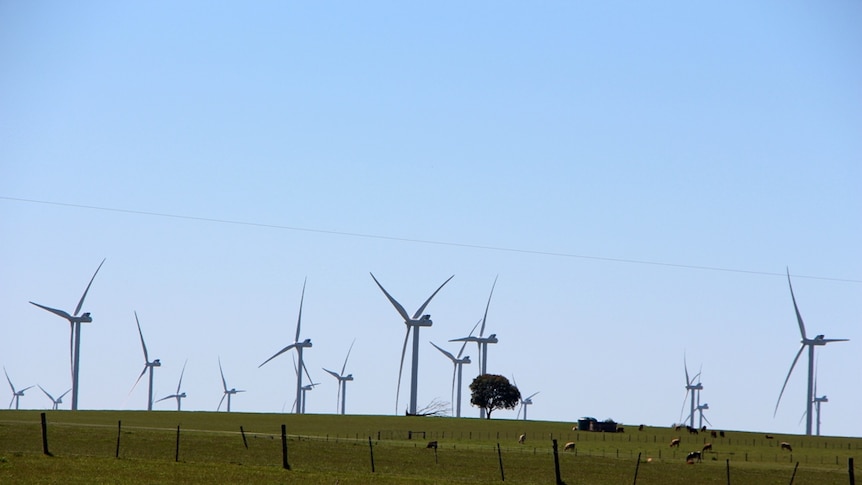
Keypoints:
pixel 677 427
pixel 693 456
pixel 786 446
pixel 641 428
pixel 569 446
pixel 621 429
pixel 706 447
pixel 432 444
pixel 769 436
pixel 692 430
pixel 713 434
pixel 522 438
pixel 703 429
pixel 674 442
pixel 721 433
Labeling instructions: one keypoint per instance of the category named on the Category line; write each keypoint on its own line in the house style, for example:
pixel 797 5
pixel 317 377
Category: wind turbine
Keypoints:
pixel 305 388
pixel 700 408
pixel 57 401
pixel 227 392
pixel 147 366
pixel 457 363
pixel 524 402
pixel 298 346
pixel 694 388
pixel 412 323
pixel 341 395
pixel 75 322
pixel 810 343
pixel 482 342
pixel 179 395
pixel 16 394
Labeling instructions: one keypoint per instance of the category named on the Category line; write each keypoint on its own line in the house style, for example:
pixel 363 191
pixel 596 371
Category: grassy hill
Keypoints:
pixel 330 449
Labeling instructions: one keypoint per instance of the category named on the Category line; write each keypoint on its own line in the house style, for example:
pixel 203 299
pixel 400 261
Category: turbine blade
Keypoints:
pixel 531 396
pixel 180 383
pixel 9 380
pixel 343 367
pixel 460 352
pixel 332 373
pixel 310 380
pixel 299 319
pixel 518 416
pixel 685 364
pixel 707 421
pixel 452 397
pixel 422 308
pixel 22 390
pixel 54 311
pixel 488 305
pixel 398 307
pixel 222 401
pixel 143 344
pixel 139 379
pixel 682 409
pixel 796 308
pixel 447 354
pixel 277 354
pixel 81 301
pixel 61 395
pixel 401 368
pixel 828 340
pixel 223 382
pixel 787 379
pixel 49 396
pixel 166 397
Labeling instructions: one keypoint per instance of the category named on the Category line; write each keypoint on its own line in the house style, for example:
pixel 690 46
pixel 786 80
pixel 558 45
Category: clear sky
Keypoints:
pixel 639 176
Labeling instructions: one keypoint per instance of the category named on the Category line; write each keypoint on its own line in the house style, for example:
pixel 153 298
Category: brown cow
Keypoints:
pixel 706 447
pixel 713 434
pixel 786 446
pixel 569 446
pixel 674 442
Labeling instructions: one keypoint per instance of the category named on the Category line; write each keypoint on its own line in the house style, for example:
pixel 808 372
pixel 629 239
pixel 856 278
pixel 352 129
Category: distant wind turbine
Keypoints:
pixel 414 323
pixel 298 346
pixel 457 363
pixel 147 366
pixel 227 392
pixel 690 386
pixel 341 395
pixel 482 342
pixel 524 402
pixel 75 322
pixel 178 395
pixel 57 401
pixel 16 394
pixel 810 343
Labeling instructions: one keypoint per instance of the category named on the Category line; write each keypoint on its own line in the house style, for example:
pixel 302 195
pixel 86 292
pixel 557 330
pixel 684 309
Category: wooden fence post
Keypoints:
pixel 284 462
pixel 500 457
pixel 852 475
pixel 244 441
pixel 119 430
pixel 636 469
pixel 727 464
pixel 371 450
pixel 45 436
pixel 177 453
pixel 556 463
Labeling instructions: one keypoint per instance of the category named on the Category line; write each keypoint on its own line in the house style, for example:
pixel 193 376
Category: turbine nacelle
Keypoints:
pixel 156 363
pixel 304 343
pixel 84 318
pixel 424 321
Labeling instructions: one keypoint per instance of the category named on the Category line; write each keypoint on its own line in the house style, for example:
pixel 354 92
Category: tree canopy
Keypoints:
pixel 491 391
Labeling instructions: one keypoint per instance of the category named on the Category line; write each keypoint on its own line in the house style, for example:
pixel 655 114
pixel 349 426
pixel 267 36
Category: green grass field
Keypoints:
pixel 330 449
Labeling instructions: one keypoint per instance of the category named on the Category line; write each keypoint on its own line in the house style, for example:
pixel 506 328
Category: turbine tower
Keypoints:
pixel 817 402
pixel 482 342
pixel 298 346
pixel 412 323
pixel 57 401
pixel 694 388
pixel 227 392
pixel 16 394
pixel 810 343
pixel 147 366
pixel 457 362
pixel 178 395
pixel 75 322
pixel 341 395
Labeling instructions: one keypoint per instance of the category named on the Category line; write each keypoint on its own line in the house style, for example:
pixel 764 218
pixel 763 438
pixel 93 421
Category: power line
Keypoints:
pixel 422 241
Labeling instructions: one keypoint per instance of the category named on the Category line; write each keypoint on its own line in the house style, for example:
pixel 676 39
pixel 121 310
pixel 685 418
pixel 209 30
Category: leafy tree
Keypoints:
pixel 491 391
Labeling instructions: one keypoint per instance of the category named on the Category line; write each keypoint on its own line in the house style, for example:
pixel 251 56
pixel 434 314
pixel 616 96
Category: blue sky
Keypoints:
pixel 639 177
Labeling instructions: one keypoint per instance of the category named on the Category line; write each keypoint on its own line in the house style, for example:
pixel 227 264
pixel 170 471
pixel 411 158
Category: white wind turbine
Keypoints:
pixel 16 394
pixel 178 395
pixel 482 342
pixel 341 395
pixel 147 366
pixel 457 363
pixel 524 402
pixel 298 346
pixel 75 322
pixel 810 343
pixel 415 324
pixel 227 392
pixel 694 388
pixel 57 401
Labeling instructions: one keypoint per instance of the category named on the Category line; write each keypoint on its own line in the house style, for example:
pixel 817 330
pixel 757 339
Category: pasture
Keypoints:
pixel 328 449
